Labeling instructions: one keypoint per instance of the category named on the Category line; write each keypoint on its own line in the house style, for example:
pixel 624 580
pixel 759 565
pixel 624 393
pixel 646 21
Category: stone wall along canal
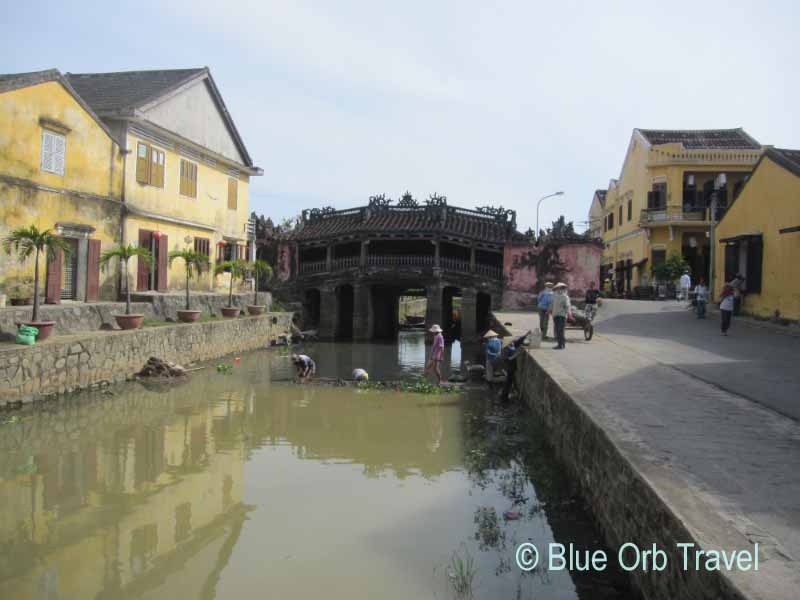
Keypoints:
pixel 237 485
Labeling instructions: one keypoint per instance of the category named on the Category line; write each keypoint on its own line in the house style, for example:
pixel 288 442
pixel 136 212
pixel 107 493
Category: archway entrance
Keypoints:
pixel 311 309
pixel 483 310
pixel 451 312
pixel 345 306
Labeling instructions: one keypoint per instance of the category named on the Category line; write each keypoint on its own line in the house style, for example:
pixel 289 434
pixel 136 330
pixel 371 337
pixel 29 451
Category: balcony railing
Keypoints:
pixel 454 264
pixel 402 260
pixel 348 262
pixel 399 260
pixel 668 214
pixel 308 268
pixel 490 271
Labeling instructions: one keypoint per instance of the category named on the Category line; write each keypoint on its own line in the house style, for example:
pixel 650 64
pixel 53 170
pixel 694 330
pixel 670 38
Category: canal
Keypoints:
pixel 242 485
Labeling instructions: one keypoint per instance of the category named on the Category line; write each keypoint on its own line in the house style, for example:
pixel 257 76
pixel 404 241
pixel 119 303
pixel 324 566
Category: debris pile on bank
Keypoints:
pixel 156 367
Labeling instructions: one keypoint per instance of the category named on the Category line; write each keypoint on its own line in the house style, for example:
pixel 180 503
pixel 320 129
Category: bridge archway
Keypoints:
pixel 345 307
pixel 312 307
pixel 483 311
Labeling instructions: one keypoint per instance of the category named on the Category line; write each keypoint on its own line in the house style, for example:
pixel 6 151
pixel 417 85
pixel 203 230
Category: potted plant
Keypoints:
pixel 195 263
pixel 19 290
pixel 31 240
pixel 124 254
pixel 258 270
pixel 237 269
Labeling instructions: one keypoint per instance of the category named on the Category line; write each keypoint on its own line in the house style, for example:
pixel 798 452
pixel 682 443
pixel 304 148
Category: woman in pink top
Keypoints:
pixel 437 352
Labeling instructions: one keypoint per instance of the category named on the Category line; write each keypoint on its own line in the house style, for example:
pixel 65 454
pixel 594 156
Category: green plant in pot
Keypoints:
pixel 195 263
pixel 31 241
pixel 124 254
pixel 19 290
pixel 237 270
pixel 259 270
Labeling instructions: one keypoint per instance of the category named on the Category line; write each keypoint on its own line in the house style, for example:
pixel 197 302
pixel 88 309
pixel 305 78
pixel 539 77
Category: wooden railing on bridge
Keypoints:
pixel 446 263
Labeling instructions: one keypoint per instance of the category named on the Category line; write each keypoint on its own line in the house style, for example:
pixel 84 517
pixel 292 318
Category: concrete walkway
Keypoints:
pixel 695 413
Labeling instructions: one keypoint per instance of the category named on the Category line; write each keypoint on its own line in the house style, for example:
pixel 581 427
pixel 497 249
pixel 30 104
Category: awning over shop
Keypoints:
pixel 740 238
pixel 795 229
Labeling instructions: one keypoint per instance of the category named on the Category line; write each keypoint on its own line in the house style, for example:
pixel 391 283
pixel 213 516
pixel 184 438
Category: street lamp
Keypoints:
pixel 719 183
pixel 537 208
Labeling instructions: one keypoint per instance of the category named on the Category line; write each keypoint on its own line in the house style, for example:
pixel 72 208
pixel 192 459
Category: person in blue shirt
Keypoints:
pixel 493 347
pixel 543 302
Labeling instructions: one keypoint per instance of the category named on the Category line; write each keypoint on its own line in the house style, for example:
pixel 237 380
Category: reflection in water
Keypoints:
pixel 233 486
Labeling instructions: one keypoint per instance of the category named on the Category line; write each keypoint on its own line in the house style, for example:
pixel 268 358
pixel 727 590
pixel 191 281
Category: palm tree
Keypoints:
pixel 195 263
pixel 30 240
pixel 258 270
pixel 124 254
pixel 237 268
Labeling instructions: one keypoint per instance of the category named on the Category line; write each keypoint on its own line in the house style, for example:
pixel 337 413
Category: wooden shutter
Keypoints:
pixel 143 271
pixel 53 282
pixel 93 271
pixel 59 153
pixel 156 167
pixel 233 190
pixel 163 251
pixel 755 254
pixel 47 151
pixel 142 163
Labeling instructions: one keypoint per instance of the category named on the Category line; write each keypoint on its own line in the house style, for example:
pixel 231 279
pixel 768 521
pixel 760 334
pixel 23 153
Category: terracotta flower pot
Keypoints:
pixel 188 316
pixel 129 321
pixel 45 328
pixel 256 309
pixel 230 311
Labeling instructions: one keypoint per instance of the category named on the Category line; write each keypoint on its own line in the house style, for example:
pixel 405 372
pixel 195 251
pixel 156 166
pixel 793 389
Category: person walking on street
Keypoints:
pixel 437 353
pixel 686 284
pixel 560 310
pixel 738 286
pixel 591 302
pixel 726 305
pixel 701 297
pixel 543 302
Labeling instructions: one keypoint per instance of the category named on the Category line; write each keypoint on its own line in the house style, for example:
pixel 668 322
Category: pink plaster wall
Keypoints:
pixel 578 265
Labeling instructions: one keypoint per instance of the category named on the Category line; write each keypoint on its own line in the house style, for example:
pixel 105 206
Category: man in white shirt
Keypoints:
pixel 686 284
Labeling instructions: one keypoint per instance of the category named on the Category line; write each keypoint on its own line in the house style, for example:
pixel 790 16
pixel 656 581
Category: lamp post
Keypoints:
pixel 719 183
pixel 537 208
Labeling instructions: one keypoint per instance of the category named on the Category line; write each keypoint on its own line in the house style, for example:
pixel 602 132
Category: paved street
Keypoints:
pixel 756 363
pixel 687 407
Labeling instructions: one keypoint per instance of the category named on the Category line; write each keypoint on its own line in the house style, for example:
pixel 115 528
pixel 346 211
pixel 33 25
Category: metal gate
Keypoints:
pixel 70 283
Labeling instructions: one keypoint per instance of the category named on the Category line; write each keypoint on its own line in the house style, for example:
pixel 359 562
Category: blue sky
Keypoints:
pixel 486 103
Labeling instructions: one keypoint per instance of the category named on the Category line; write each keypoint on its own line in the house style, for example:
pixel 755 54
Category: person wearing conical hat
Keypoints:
pixel 493 347
pixel 437 352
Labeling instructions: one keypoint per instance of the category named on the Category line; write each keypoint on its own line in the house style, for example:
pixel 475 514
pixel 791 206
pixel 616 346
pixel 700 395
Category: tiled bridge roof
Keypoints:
pixel 435 218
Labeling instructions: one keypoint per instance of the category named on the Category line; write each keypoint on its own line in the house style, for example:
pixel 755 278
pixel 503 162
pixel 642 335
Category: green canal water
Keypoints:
pixel 241 485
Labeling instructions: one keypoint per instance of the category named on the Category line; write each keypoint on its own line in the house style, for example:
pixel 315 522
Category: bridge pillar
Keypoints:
pixel 328 258
pixel 362 311
pixel 327 313
pixel 433 310
pixel 469 314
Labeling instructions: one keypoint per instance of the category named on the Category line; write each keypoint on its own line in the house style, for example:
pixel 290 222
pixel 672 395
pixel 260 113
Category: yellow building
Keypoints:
pixel 60 169
pixel 760 237
pixel 597 214
pixel 661 202
pixel 187 170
